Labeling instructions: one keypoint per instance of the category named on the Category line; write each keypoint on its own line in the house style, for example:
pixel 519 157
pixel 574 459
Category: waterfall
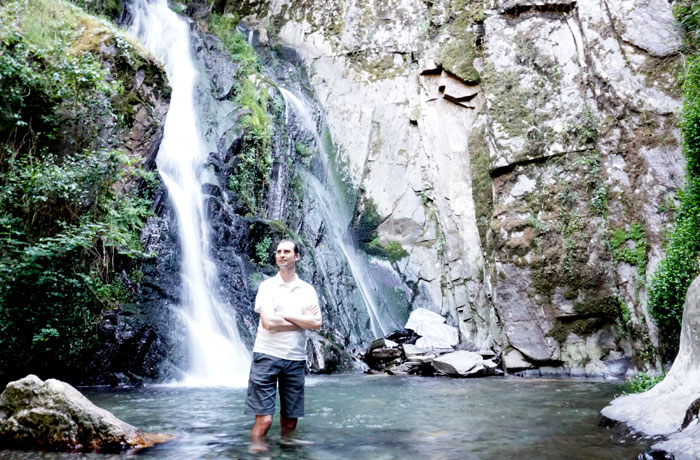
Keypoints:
pixel 217 355
pixel 337 217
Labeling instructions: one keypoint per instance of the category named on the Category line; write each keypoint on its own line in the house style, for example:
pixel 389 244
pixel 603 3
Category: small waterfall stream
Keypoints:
pixel 217 355
pixel 337 217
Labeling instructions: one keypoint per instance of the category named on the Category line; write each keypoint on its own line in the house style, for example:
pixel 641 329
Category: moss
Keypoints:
pixel 590 317
pixel 457 57
pixel 482 184
pixel 607 307
pixel 365 222
pixel 631 246
pixel 391 250
pixel 581 327
pixel 509 101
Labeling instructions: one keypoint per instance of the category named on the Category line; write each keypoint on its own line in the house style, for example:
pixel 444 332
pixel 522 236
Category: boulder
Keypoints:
pixel 459 363
pixel 382 353
pixel 663 409
pixel 516 361
pixel 52 415
pixel 431 328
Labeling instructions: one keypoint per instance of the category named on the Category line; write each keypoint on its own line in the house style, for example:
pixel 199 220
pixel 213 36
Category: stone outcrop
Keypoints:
pixel 52 415
pixel 519 136
pixel 671 407
pixel 431 328
pixel 410 352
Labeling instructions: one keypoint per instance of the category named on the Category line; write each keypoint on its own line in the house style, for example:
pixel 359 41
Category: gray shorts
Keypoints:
pixel 266 372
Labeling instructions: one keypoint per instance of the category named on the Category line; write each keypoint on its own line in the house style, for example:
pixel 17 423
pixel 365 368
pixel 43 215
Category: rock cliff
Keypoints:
pixel 532 152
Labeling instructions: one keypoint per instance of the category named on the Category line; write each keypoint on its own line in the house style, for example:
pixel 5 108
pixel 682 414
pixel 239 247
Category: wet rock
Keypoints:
pixel 52 415
pixel 663 410
pixel 383 353
pixel 460 363
pixel 403 336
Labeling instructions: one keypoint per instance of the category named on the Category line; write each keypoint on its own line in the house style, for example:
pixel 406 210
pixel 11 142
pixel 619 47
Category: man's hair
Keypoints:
pixel 287 240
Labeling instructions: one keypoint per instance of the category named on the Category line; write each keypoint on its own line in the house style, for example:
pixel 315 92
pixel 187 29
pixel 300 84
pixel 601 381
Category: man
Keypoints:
pixel 287 306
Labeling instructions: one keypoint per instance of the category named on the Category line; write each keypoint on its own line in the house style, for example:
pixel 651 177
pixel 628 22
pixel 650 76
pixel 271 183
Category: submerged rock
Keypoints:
pixel 53 415
pixel 664 410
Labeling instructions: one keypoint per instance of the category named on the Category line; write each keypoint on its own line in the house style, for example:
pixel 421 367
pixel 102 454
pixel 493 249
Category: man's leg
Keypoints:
pixel 262 387
pixel 287 425
pixel 291 386
pixel 260 427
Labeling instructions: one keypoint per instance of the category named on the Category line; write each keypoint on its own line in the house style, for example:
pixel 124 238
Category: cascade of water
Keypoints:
pixel 337 217
pixel 217 355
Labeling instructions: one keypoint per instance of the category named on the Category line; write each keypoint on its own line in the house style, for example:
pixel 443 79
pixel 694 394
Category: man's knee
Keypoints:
pixel 262 425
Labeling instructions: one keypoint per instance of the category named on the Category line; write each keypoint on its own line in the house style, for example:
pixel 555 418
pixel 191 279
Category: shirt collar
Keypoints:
pixel 292 284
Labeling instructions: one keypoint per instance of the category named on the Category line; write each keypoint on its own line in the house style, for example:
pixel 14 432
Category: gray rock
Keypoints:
pixel 459 363
pixel 52 415
pixel 516 361
pixel 662 410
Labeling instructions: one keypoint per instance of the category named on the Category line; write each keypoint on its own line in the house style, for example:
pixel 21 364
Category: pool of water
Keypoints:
pixel 378 417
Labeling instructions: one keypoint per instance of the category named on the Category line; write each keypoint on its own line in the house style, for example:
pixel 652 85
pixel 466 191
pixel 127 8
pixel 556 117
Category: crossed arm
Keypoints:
pixel 310 318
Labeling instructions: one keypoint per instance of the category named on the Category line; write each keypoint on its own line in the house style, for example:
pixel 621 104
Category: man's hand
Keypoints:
pixel 312 310
pixel 310 317
pixel 272 322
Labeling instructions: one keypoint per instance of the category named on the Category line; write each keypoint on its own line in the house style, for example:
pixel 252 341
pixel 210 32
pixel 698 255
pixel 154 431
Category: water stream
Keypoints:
pixel 217 355
pixel 337 217
pixel 360 416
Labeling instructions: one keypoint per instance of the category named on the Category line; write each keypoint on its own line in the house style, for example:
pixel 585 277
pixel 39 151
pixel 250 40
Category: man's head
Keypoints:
pixel 287 254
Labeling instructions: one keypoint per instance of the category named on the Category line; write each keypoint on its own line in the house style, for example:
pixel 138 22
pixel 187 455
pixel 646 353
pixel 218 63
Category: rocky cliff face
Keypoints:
pixel 523 153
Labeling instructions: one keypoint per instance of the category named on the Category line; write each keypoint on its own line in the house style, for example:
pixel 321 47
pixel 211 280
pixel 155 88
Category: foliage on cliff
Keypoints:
pixel 681 263
pixel 249 179
pixel 70 215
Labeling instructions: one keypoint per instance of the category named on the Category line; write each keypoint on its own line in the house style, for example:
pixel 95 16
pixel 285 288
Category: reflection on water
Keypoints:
pixel 379 417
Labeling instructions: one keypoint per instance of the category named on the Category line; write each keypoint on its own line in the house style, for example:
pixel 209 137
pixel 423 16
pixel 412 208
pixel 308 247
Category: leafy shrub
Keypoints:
pixel 67 226
pixel 681 262
pixel 262 250
pixel 641 383
pixel 249 179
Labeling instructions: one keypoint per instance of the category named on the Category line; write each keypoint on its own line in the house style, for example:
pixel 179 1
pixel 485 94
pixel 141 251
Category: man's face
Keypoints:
pixel 285 257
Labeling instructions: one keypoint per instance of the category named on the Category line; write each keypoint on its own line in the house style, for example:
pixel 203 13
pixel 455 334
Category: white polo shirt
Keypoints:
pixel 286 298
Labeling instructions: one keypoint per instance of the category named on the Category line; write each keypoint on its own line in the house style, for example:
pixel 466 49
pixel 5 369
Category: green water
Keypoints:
pixel 381 417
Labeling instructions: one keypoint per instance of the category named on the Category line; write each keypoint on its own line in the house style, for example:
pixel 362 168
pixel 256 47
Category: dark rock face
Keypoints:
pixel 52 415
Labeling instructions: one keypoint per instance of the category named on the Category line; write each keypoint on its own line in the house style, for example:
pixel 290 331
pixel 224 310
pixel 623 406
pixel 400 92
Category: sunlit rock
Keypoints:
pixel 52 415
pixel 431 328
pixel 663 409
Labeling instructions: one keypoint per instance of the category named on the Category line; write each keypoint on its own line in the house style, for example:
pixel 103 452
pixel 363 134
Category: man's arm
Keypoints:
pixel 272 322
pixel 309 319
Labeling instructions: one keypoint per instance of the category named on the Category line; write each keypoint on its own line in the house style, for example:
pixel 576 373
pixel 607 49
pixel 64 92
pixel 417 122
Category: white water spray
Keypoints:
pixel 337 217
pixel 217 355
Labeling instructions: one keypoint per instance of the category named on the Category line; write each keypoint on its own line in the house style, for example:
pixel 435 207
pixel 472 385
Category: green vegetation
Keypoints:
pixel 262 250
pixel 392 250
pixel 681 262
pixel 589 318
pixel 631 246
pixel 249 179
pixel 302 149
pixel 365 222
pixel 70 215
pixel 641 383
